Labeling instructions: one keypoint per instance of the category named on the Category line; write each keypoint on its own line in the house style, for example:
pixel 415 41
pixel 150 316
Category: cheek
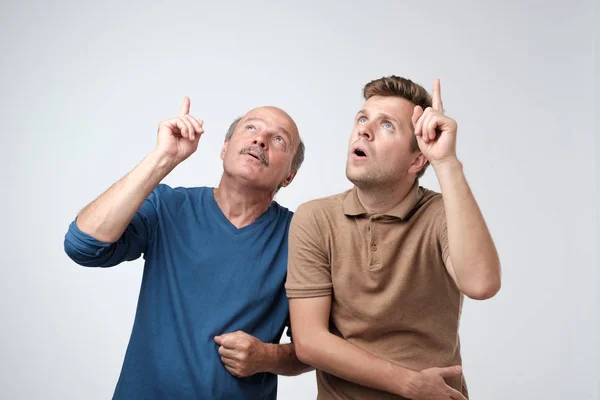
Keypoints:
pixel 230 152
pixel 353 136
pixel 394 150
pixel 224 150
pixel 281 161
pixel 279 166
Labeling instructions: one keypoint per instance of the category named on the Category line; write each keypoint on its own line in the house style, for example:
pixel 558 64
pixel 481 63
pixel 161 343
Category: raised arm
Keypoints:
pixel 473 262
pixel 116 226
pixel 106 218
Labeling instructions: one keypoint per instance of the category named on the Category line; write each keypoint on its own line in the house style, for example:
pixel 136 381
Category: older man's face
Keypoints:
pixel 262 148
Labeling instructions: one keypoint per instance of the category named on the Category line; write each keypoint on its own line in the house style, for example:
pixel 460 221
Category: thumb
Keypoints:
pixel 450 371
pixel 226 340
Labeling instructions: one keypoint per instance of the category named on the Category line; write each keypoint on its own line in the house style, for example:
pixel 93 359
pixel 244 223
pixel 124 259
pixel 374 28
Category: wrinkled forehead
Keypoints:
pixel 274 118
pixel 394 106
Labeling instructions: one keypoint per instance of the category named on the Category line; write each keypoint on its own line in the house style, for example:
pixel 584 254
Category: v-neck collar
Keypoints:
pixel 231 228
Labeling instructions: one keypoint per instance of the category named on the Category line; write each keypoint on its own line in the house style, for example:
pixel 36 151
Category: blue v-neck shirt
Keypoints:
pixel 202 277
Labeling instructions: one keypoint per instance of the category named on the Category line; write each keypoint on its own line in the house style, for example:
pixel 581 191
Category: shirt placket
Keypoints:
pixel 373 241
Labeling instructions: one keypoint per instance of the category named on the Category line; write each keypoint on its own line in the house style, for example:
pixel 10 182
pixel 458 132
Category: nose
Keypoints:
pixel 365 132
pixel 260 140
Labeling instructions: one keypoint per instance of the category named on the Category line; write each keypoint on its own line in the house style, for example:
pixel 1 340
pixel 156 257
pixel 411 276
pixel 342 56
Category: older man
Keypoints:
pixel 212 306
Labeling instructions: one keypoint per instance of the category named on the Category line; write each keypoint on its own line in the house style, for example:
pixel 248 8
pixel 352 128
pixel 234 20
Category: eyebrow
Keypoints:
pixel 383 115
pixel 283 130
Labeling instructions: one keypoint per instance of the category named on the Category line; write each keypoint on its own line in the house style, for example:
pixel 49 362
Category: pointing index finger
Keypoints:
pixel 185 107
pixel 436 96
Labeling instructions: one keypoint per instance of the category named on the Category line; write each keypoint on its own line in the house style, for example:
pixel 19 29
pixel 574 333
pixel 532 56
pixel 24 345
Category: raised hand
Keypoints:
pixel 435 132
pixel 178 137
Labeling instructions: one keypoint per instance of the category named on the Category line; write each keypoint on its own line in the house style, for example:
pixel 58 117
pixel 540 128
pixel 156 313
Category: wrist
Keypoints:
pixel 410 384
pixel 269 357
pixel 446 164
pixel 405 381
pixel 161 162
pixel 447 169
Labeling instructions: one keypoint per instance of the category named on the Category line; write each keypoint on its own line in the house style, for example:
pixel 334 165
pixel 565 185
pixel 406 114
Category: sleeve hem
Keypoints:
pixel 304 293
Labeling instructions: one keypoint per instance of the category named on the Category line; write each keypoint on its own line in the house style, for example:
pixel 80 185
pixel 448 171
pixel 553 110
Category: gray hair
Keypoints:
pixel 298 156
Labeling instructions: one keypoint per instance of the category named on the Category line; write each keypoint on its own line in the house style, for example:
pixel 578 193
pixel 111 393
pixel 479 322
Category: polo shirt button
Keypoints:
pixel 373 247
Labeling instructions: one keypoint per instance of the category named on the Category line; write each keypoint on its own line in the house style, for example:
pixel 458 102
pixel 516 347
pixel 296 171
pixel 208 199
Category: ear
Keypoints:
pixel 224 149
pixel 417 164
pixel 288 179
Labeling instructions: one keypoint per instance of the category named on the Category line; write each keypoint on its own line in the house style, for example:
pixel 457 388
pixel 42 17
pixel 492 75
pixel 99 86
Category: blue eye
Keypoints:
pixel 388 126
pixel 280 140
pixel 251 128
pixel 362 120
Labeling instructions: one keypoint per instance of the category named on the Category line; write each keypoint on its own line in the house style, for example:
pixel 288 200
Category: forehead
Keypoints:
pixel 273 118
pixel 396 107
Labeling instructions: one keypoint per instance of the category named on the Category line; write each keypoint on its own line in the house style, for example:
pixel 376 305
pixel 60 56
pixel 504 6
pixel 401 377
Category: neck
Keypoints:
pixel 378 199
pixel 242 205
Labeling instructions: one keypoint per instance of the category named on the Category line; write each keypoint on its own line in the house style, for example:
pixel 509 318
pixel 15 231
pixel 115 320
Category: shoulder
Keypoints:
pixel 323 206
pixel 429 210
pixel 320 217
pixel 431 198
pixel 163 189
pixel 283 214
pixel 166 196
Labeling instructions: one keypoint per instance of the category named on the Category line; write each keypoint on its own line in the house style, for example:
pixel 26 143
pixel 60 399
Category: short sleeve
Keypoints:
pixel 309 269
pixel 442 234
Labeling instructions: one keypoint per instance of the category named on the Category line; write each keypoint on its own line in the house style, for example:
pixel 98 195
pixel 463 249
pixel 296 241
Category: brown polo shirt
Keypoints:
pixel 391 294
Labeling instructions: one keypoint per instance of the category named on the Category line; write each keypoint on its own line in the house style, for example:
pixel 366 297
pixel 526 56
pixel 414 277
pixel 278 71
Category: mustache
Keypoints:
pixel 258 151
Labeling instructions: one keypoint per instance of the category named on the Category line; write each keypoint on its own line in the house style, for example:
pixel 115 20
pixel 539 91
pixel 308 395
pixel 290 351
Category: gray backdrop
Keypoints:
pixel 84 84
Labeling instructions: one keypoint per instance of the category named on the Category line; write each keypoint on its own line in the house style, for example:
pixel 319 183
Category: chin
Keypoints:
pixel 359 179
pixel 366 180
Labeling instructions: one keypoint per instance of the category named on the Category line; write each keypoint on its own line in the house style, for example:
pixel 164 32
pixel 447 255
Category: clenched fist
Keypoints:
pixel 178 137
pixel 242 354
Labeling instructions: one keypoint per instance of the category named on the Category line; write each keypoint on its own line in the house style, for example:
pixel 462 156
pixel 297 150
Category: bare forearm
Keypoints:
pixel 338 357
pixel 473 253
pixel 283 361
pixel 107 217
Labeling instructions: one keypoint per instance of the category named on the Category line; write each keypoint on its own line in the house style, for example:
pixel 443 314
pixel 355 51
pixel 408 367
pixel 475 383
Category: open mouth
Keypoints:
pixel 360 153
